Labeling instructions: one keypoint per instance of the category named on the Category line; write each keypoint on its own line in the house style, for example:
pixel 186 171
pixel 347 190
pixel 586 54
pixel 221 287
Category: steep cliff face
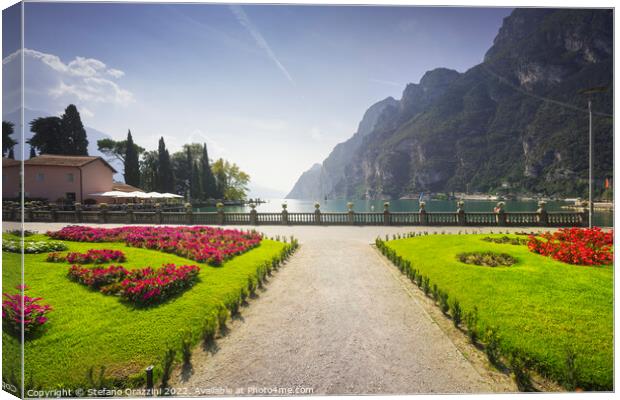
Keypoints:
pixel 517 117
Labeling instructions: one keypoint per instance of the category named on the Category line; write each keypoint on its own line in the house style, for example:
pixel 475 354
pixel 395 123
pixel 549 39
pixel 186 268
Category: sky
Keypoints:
pixel 271 88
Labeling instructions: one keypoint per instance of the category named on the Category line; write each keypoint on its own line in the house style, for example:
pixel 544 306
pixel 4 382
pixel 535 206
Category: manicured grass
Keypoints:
pixel 539 306
pixel 88 329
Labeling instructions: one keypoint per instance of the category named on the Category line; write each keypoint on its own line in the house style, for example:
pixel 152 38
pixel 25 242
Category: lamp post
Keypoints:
pixel 589 92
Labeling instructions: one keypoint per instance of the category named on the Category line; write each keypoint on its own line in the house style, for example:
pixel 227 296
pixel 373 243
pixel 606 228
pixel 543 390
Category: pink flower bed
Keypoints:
pixel 142 287
pixel 90 257
pixel 97 277
pixel 199 243
pixel 34 313
pixel 152 286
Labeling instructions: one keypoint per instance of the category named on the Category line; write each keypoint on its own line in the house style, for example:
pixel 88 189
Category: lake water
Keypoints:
pixel 601 218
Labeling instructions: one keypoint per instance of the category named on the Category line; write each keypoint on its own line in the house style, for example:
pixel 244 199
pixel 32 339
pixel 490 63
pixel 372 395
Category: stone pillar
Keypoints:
pixel 189 214
pixel 387 218
pixel 543 218
pixel 158 216
pixel 253 214
pixel 317 213
pixel 500 214
pixel 423 216
pixel 130 216
pixel 221 218
pixel 460 213
pixel 54 212
pixel 585 216
pixel 103 211
pixel 78 212
pixel 350 214
pixel 284 214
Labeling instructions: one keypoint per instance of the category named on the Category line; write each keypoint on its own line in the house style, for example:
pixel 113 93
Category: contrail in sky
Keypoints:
pixel 244 20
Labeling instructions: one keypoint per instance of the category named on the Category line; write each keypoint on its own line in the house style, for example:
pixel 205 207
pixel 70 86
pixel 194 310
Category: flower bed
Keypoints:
pixel 97 277
pixel 142 286
pixel 199 243
pixel 92 256
pixel 150 286
pixel 575 246
pixel 34 313
pixel 487 259
pixel 32 247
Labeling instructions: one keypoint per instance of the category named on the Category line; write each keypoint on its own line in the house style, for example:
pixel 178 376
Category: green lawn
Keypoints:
pixel 88 329
pixel 538 305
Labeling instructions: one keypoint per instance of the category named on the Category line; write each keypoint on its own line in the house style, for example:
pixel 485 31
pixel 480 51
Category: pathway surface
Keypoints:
pixel 335 320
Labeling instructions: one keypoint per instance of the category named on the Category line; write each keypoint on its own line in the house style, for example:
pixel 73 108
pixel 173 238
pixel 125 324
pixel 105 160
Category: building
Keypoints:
pixel 58 178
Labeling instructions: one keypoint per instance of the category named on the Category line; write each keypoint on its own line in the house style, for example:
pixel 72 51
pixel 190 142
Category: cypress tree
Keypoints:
pixel 132 165
pixel 209 187
pixel 165 176
pixel 190 175
pixel 73 132
pixel 11 154
pixel 195 181
pixel 33 153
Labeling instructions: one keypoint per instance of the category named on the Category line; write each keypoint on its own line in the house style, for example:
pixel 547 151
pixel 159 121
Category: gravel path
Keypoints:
pixel 335 320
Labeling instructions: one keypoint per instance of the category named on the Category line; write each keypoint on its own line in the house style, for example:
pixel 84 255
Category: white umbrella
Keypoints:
pixel 139 195
pixel 155 195
pixel 171 196
pixel 113 193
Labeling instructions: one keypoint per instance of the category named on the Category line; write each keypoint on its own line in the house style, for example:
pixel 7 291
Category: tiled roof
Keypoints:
pixel 123 187
pixel 65 161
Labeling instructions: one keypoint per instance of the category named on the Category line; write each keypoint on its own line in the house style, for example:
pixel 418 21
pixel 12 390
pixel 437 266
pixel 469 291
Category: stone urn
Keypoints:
pixel 350 206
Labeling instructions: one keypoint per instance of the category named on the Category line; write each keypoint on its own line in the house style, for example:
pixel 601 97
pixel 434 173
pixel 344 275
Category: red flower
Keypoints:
pixel 575 246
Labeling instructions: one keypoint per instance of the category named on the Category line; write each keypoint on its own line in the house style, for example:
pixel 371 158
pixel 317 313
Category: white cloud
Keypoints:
pixel 245 21
pixel 85 80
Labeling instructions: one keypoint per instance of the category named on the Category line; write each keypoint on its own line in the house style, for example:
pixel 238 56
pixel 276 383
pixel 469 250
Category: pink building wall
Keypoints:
pixel 10 181
pixel 52 182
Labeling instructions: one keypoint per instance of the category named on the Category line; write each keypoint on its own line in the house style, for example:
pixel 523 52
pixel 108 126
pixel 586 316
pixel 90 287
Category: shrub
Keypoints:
pixel 491 347
pixel 208 330
pixel 426 286
pixel 32 247
pixel 34 313
pixel 222 317
pixel 471 319
pixel 443 302
pixel 186 348
pixel 457 313
pixel 520 365
pixel 167 364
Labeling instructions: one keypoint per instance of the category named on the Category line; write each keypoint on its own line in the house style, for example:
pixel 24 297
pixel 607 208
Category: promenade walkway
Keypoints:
pixel 337 319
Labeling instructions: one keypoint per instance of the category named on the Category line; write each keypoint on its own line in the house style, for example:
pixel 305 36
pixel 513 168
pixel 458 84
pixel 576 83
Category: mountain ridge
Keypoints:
pixel 513 120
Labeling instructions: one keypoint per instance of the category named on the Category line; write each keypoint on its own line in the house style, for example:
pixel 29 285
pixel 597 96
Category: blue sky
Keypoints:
pixel 272 88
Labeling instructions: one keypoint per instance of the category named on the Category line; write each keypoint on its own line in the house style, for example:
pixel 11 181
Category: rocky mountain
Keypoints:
pixel 517 119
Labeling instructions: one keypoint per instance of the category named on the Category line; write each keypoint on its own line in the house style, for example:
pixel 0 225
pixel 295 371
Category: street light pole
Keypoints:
pixel 589 92
pixel 590 203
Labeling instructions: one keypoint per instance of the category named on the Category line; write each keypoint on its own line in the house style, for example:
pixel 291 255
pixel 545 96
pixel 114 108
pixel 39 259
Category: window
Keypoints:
pixel 40 176
pixel 70 177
